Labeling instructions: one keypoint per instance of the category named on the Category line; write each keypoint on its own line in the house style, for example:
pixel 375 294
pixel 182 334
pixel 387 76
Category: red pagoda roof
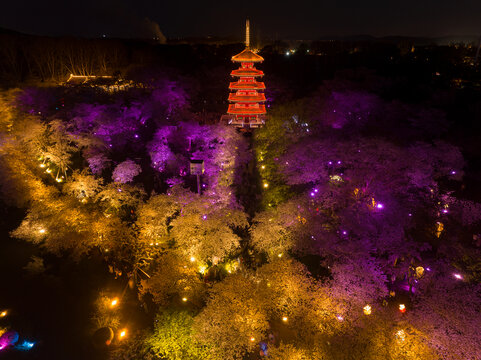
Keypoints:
pixel 247 72
pixel 247 56
pixel 246 110
pixel 253 85
pixel 247 98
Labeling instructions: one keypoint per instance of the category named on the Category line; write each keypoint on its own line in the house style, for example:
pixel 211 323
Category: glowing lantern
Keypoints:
pixel 42 231
pixel 252 339
pixel 419 271
pixel 184 299
pixel 340 318
pixel 458 276
pixel 401 335
pixel 122 334
pixel 284 318
pixel 266 185
pixel 114 302
pixel 367 310
pixel 402 308
pixel 279 255
pixel 192 259
pixel 3 313
pixel 42 165
pixel 439 228
pixel 263 167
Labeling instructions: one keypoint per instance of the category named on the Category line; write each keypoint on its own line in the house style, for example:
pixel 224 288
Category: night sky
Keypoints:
pixel 301 19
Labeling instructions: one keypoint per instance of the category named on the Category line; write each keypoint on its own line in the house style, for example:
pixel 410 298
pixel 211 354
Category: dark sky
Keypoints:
pixel 296 19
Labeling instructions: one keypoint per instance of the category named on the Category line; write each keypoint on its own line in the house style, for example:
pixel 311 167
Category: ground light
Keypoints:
pixel 367 310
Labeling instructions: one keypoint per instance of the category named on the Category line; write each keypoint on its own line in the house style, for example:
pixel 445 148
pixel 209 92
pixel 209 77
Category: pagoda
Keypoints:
pixel 246 109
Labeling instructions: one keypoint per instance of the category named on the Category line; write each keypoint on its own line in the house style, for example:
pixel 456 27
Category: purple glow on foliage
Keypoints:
pixel 312 194
pixel 453 172
pixel 344 232
pixel 410 214
pixel 339 162
pixel 315 190
pixel 330 162
pixel 204 217
pixel 136 136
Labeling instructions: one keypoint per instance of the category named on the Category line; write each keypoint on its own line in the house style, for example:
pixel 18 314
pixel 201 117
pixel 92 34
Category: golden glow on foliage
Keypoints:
pixel 336 178
pixel 58 180
pixel 122 334
pixel 48 171
pixel 3 313
pixel 202 269
pixel 114 302
pixel 402 308
pixel 367 310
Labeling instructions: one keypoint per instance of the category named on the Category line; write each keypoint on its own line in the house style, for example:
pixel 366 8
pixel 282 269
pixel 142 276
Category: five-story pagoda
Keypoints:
pixel 246 108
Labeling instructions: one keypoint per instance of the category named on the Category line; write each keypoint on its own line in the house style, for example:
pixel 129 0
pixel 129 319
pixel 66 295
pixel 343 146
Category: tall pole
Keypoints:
pixel 247 33
pixel 198 184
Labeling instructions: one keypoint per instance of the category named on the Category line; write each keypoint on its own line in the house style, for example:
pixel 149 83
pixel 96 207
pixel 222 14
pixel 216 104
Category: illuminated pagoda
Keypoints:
pixel 246 108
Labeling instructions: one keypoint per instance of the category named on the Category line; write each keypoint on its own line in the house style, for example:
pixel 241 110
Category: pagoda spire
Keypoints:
pixel 247 107
pixel 247 34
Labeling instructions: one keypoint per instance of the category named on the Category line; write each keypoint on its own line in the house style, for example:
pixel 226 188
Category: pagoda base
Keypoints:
pixel 243 122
